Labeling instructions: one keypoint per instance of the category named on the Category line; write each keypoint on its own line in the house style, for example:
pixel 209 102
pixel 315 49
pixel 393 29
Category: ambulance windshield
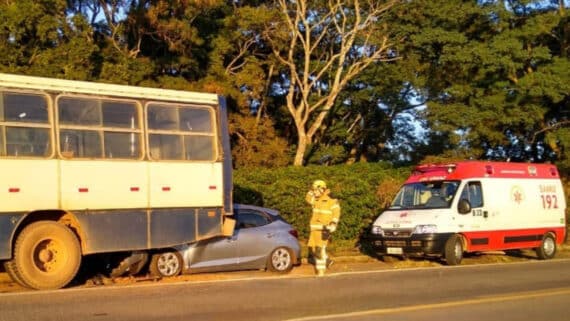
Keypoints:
pixel 425 195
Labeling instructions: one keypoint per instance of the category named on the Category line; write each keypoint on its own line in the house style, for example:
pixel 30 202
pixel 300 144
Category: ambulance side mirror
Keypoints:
pixel 463 207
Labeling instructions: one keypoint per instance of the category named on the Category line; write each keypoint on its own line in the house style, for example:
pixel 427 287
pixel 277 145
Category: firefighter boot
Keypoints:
pixel 321 261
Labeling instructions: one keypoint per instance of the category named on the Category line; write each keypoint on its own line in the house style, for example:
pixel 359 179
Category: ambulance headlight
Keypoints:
pixel 377 230
pixel 425 229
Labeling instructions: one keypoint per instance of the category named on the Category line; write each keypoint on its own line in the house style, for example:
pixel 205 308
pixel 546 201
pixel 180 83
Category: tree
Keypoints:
pixel 497 81
pixel 321 46
pixel 39 38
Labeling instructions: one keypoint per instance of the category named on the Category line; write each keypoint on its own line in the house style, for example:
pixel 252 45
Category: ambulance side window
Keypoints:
pixel 473 193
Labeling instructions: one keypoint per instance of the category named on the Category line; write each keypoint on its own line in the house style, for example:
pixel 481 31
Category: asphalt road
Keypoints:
pixel 515 291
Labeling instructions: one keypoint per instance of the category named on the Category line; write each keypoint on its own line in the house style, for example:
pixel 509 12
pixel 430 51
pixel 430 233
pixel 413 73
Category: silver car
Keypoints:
pixel 262 240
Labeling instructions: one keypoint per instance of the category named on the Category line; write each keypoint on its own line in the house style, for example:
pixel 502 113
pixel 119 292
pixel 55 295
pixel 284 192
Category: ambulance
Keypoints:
pixel 446 210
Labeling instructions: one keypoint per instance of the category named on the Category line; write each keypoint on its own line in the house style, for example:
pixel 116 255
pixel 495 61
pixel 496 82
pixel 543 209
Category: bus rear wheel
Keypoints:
pixel 47 255
pixel 10 268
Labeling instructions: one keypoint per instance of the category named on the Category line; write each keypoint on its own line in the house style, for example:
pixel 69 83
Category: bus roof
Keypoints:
pixel 84 87
pixel 481 169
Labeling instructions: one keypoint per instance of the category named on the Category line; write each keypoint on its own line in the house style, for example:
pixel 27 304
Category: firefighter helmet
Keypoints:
pixel 319 184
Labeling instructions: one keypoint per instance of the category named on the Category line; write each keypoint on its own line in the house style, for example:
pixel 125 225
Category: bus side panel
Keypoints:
pixel 170 227
pixel 99 184
pixel 209 222
pixel 8 224
pixel 185 184
pixel 112 231
pixel 28 185
pixel 227 156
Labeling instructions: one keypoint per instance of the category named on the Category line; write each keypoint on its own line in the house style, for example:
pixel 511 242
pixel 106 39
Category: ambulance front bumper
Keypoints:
pixel 416 244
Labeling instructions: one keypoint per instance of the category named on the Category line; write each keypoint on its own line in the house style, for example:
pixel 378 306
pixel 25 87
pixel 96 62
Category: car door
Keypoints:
pixel 254 238
pixel 217 254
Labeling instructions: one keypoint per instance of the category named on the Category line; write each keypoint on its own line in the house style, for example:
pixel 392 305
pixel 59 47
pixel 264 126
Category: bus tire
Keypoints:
pixel 10 268
pixel 453 252
pixel 547 248
pixel 47 255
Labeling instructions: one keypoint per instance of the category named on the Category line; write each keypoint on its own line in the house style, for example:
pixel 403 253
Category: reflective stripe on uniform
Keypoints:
pixel 317 226
pixel 318 210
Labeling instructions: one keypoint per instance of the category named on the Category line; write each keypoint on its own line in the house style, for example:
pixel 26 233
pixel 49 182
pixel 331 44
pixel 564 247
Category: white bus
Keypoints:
pixel 98 168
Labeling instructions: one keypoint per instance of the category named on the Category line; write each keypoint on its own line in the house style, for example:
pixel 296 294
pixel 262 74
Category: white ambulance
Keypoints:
pixel 471 206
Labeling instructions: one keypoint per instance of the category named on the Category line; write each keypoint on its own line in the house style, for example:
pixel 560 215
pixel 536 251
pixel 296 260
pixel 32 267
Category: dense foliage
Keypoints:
pixel 425 78
pixel 356 186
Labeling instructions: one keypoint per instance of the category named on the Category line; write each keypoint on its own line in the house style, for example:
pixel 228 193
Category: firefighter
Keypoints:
pixel 324 221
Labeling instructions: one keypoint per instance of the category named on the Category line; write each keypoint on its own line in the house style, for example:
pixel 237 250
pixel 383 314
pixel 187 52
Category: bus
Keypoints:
pixel 92 168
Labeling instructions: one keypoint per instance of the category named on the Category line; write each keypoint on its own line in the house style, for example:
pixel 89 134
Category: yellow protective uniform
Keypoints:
pixel 326 212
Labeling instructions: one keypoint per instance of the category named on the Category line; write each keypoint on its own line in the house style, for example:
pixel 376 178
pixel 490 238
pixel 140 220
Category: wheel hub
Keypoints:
pixel 46 255
pixel 280 259
pixel 549 246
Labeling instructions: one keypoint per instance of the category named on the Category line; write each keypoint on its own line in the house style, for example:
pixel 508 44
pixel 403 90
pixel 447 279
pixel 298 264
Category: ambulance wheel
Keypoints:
pixel 47 255
pixel 280 260
pixel 547 248
pixel 453 251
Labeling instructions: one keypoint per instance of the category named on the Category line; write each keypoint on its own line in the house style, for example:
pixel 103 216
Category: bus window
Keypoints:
pixel 99 128
pixel 78 111
pixel 166 147
pixel 22 141
pixel 180 132
pixel 162 117
pixel 120 114
pixel 24 125
pixel 199 147
pixel 80 143
pixel 24 108
pixel 196 120
pixel 122 145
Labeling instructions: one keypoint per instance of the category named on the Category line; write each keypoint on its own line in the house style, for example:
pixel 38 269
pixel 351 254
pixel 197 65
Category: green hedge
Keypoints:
pixel 356 187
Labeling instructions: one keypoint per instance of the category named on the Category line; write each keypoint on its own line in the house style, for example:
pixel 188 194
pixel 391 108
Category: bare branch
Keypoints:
pixel 549 128
pixel 328 47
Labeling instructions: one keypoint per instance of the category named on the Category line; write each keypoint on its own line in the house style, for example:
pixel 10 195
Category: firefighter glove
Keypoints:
pixel 331 227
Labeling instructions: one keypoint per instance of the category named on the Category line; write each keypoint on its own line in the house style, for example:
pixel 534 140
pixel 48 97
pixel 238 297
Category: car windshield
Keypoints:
pixel 425 195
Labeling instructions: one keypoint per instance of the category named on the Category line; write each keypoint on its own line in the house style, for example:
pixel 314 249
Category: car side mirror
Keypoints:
pixel 463 207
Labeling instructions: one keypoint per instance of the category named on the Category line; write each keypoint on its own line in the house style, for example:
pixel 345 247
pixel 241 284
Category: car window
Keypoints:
pixel 248 219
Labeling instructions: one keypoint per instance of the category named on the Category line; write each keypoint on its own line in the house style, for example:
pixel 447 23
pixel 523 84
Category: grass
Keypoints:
pixel 350 251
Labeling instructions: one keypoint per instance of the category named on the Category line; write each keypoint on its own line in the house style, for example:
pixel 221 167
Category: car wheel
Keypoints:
pixel 453 250
pixel 165 264
pixel 280 260
pixel 547 248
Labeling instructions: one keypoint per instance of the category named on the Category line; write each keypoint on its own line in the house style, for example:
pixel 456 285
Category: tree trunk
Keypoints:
pixel 301 149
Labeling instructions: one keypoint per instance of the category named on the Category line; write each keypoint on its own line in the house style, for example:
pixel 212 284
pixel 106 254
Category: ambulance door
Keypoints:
pixel 474 224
